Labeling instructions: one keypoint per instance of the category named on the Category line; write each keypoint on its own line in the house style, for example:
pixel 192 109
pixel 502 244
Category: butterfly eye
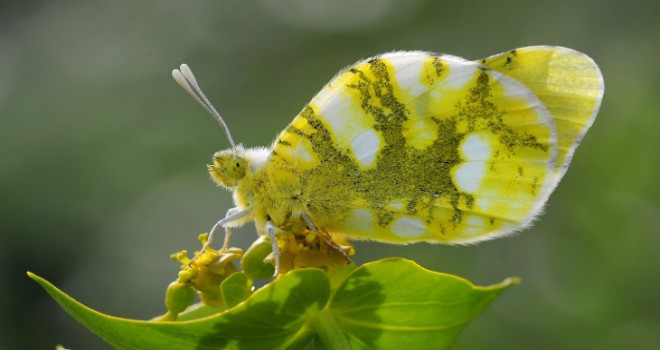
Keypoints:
pixel 236 168
pixel 228 168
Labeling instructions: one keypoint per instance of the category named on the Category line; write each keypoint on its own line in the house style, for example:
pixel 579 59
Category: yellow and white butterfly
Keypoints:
pixel 415 146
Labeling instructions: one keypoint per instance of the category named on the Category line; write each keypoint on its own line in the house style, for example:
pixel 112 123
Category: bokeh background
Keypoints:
pixel 102 155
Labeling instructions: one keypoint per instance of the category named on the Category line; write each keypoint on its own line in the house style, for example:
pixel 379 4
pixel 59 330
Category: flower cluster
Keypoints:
pixel 203 274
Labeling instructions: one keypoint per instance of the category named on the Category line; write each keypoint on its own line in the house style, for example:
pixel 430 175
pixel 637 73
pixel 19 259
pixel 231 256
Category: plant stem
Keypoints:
pixel 328 332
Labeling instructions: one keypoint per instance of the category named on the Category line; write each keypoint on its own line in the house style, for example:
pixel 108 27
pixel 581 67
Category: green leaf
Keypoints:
pixel 397 304
pixel 273 318
pixel 387 304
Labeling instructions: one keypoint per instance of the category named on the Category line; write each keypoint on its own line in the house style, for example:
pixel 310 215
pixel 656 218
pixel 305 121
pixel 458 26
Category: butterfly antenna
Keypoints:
pixel 185 77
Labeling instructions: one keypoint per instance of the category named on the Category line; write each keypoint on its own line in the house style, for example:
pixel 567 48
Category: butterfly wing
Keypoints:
pixel 567 82
pixel 413 146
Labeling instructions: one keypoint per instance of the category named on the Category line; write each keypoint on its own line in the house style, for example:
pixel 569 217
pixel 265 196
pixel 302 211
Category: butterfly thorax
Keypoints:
pixel 266 195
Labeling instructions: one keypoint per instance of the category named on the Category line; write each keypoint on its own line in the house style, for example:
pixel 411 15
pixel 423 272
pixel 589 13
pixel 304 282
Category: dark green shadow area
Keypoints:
pixel 275 317
pixel 349 302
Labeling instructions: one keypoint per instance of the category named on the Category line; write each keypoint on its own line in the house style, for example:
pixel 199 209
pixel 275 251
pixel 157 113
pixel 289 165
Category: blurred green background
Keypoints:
pixel 102 155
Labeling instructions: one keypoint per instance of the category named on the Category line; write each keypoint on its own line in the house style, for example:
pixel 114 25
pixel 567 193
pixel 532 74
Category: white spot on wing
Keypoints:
pixel 338 114
pixel 365 146
pixel 476 147
pixel 476 150
pixel 303 153
pixel 361 221
pixel 468 175
pixel 407 71
pixel 408 227
pixel 484 202
pixel 460 72
pixel 349 124
pixel 476 221
pixel 474 225
pixel 452 58
pixel 394 206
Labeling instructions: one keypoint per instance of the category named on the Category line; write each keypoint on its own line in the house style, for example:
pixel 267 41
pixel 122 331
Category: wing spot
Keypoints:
pixel 476 150
pixel 474 226
pixel 365 147
pixel 460 74
pixel 407 70
pixel 408 227
pixel 468 176
pixel 476 146
pixel 361 220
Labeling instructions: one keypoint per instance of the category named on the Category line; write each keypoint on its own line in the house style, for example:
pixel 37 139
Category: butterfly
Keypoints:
pixel 415 146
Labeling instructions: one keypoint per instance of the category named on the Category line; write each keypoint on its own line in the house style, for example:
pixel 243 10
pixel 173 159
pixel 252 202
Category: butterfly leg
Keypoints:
pixel 309 223
pixel 270 231
pixel 326 239
pixel 232 215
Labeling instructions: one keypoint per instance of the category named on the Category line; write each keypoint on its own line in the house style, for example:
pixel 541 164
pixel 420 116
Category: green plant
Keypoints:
pixel 387 304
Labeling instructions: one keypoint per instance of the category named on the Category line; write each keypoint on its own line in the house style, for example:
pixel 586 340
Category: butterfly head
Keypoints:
pixel 229 167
